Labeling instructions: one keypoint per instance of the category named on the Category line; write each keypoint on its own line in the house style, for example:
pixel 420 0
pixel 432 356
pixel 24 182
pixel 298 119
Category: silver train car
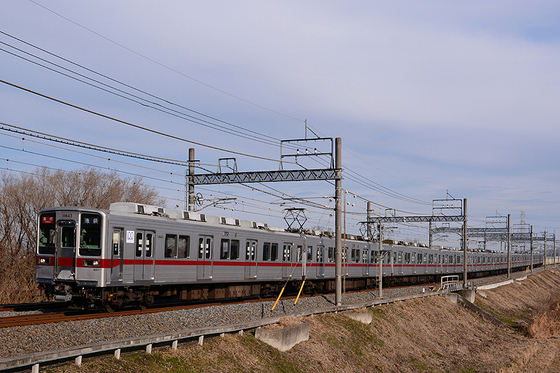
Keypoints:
pixel 134 253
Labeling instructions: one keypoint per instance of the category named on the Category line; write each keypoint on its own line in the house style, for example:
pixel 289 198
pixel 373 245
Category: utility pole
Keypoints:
pixel 380 275
pixel 531 243
pixel 509 246
pixel 465 269
pixel 190 196
pixel 544 249
pixel 338 221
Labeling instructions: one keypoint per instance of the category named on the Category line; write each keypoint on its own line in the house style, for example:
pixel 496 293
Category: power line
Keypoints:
pixel 150 104
pixel 135 125
pixel 165 66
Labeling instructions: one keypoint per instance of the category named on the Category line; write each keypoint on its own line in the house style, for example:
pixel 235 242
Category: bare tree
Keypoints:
pixel 23 195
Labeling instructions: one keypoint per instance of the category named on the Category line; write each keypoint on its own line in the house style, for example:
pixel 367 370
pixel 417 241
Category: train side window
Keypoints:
pixel 419 258
pixel 407 258
pixel 183 248
pixel 374 257
pixel 287 253
pixel 170 246
pixel 139 243
pixel 320 250
pixel 47 231
pixel 400 257
pixel 266 251
pixel 331 255
pixel 234 250
pixel 413 258
pixel 149 245
pixel 250 250
pixel 431 259
pixel 309 254
pixel 274 252
pixel 224 249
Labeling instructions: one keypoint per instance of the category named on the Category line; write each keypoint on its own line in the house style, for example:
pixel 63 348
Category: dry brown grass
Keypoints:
pixel 422 335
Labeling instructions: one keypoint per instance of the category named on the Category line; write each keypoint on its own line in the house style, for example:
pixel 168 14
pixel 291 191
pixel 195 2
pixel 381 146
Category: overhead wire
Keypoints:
pixel 165 66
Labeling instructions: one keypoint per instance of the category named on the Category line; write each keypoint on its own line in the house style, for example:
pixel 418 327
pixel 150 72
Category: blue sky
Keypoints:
pixel 428 96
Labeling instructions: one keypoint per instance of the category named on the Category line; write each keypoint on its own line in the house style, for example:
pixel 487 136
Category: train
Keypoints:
pixel 133 254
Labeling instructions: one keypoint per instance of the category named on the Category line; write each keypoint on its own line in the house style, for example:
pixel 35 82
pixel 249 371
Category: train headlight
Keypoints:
pixel 91 263
pixel 43 261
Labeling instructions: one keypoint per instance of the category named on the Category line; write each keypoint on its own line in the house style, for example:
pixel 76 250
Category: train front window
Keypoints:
pixel 68 237
pixel 47 231
pixel 90 235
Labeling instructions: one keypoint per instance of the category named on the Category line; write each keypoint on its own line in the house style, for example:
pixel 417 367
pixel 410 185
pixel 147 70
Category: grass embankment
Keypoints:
pixel 423 335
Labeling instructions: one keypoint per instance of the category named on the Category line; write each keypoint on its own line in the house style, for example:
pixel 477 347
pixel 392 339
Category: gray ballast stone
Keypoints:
pixel 284 339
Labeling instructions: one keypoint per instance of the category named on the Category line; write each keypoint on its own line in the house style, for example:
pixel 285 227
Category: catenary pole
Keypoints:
pixel 338 222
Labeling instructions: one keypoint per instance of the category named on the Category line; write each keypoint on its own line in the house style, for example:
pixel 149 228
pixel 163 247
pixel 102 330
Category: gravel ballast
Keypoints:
pixel 46 337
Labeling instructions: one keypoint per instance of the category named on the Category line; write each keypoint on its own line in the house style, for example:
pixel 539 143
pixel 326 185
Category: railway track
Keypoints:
pixel 77 315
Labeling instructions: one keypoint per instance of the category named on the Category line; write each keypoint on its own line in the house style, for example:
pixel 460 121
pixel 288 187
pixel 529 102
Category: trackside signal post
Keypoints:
pixel 332 173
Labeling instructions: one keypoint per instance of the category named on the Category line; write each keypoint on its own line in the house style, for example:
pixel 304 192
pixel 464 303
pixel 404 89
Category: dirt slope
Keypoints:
pixel 424 335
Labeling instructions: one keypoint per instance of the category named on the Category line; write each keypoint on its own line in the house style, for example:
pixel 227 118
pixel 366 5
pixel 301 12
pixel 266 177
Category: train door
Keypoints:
pixel 320 261
pixel 365 262
pixel 117 255
pixel 65 255
pixel 144 255
pixel 204 264
pixel 251 259
pixel 287 260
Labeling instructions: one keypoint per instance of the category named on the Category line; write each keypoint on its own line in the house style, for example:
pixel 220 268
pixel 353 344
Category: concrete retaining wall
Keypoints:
pixel 284 339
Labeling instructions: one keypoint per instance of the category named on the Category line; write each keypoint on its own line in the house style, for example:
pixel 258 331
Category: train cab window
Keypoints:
pixel 170 246
pixel 274 252
pixel 47 231
pixel 68 237
pixel 266 251
pixel 183 247
pixel 309 254
pixel 331 255
pixel 224 249
pixel 90 235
